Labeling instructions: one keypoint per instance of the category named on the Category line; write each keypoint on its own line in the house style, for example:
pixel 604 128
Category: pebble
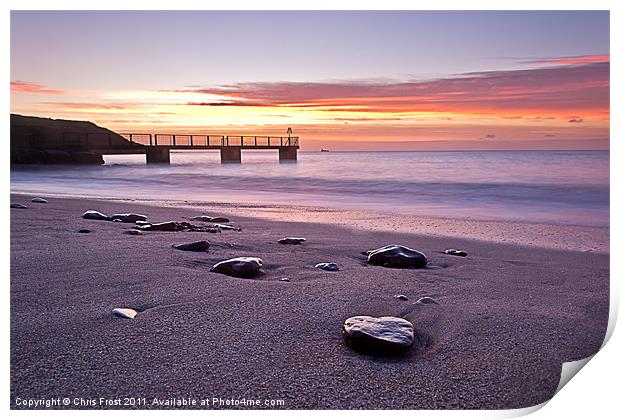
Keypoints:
pixel 124 313
pixel 401 297
pixel 456 252
pixel 133 232
pixel 287 279
pixel 427 300
pixel 239 267
pixel 38 200
pixel 291 241
pixel 18 206
pixel 397 256
pixel 95 215
pixel 83 231
pixel 384 335
pixel 211 219
pixel 328 266
pixel 198 246
pixel 128 218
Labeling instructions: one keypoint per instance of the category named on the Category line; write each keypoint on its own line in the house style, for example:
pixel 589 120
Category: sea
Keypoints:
pixel 551 187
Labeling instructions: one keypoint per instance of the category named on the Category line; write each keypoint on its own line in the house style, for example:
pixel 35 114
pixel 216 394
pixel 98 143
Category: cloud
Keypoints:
pixel 19 86
pixel 541 92
pixel 568 60
pixel 575 120
pixel 490 136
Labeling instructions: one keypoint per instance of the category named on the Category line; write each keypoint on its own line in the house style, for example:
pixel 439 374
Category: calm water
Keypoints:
pixel 556 187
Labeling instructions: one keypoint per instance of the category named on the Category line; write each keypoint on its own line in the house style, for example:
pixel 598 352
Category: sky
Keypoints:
pixel 349 80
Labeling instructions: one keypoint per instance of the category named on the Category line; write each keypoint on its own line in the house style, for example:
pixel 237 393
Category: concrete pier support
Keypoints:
pixel 287 153
pixel 156 154
pixel 230 154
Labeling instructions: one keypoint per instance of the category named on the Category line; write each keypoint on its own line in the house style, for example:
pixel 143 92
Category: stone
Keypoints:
pixel 427 300
pixel 328 266
pixel 401 297
pixel 456 252
pixel 135 232
pixel 225 227
pixel 128 218
pixel 18 206
pixel 397 256
pixel 198 246
pixel 38 200
pixel 124 313
pixel 95 215
pixel 83 231
pixel 384 335
pixel 239 267
pixel 291 241
pixel 286 279
pixel 164 226
pixel 210 219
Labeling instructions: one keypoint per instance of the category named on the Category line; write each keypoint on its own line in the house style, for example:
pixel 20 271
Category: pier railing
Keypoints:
pixel 202 140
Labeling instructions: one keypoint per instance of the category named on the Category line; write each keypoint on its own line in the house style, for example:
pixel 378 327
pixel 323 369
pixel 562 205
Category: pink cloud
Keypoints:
pixel 19 86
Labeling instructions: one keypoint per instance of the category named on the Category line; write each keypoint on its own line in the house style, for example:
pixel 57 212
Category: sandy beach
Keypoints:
pixel 508 315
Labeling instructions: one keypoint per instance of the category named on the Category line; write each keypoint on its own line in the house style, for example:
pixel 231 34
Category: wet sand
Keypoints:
pixel 508 314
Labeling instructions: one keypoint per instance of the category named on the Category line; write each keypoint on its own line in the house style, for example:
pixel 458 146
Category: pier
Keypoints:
pixel 157 147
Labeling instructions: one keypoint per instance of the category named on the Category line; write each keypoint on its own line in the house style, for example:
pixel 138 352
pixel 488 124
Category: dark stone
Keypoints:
pixel 291 241
pixel 95 215
pixel 211 219
pixel 239 267
pixel 164 226
pixel 18 206
pixel 397 256
pixel 328 266
pixel 199 246
pixel 427 300
pixel 378 335
pixel 456 252
pixel 225 227
pixel 38 200
pixel 83 231
pixel 135 232
pixel 128 217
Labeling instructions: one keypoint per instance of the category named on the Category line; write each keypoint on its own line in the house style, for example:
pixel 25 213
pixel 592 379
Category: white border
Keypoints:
pixel 592 395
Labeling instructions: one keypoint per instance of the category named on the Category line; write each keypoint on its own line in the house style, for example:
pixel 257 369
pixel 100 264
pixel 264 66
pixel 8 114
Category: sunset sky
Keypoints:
pixel 349 80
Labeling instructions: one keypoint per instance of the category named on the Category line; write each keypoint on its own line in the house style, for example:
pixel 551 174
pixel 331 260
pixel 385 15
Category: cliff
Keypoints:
pixel 36 140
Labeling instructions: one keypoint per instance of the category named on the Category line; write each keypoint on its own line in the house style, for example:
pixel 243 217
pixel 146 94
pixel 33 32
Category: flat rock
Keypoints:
pixel 330 266
pixel 198 246
pixel 397 256
pixel 210 219
pixel 128 217
pixel 95 215
pixel 38 200
pixel 383 335
pixel 18 206
pixel 135 232
pixel 456 252
pixel 427 300
pixel 291 241
pixel 225 227
pixel 163 226
pixel 401 297
pixel 124 313
pixel 239 267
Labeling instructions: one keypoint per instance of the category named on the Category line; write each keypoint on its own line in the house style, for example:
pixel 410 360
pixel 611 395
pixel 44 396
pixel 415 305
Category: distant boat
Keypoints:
pixel 324 150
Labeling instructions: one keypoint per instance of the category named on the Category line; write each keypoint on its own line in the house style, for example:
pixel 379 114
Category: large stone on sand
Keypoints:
pixel 124 313
pixel 239 267
pixel 329 266
pixel 210 219
pixel 95 215
pixel 38 200
pixel 128 217
pixel 378 335
pixel 198 246
pixel 456 252
pixel 397 256
pixel 18 206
